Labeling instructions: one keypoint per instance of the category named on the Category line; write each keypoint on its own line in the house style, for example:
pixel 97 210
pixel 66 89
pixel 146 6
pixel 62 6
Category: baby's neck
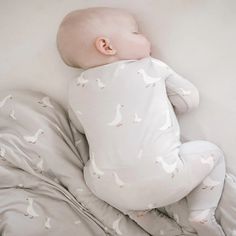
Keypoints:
pixel 98 61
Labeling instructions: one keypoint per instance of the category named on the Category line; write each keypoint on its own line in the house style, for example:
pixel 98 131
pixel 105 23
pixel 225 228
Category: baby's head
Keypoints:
pixel 100 35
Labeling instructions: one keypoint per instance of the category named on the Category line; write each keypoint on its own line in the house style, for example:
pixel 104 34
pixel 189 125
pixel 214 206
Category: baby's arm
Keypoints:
pixel 75 120
pixel 183 95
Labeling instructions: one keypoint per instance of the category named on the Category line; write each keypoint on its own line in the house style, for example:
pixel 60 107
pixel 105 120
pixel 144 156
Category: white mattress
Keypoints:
pixel 196 38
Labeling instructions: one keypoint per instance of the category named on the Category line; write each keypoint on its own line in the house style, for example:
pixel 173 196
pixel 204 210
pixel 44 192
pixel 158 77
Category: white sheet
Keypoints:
pixel 196 38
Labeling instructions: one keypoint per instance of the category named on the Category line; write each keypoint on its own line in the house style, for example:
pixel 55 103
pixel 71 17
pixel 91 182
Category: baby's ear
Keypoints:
pixel 104 46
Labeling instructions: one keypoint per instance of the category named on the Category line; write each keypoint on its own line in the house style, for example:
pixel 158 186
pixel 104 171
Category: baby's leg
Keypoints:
pixel 204 198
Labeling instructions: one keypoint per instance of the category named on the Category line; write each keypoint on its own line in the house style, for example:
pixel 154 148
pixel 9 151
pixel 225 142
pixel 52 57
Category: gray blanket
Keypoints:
pixel 42 189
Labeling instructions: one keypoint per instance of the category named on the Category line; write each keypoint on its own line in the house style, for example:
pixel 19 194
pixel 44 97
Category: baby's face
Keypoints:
pixel 129 42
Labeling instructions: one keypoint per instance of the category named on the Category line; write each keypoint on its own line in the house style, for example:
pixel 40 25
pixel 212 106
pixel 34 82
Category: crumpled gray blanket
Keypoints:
pixel 42 189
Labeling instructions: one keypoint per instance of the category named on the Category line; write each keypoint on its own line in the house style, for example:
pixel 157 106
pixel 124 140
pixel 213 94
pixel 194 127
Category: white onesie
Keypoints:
pixel 125 110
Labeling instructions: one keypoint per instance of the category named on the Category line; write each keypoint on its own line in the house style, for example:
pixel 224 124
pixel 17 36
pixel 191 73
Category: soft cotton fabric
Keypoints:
pixel 125 111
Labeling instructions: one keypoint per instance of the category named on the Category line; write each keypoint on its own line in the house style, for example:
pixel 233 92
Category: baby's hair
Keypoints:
pixel 89 23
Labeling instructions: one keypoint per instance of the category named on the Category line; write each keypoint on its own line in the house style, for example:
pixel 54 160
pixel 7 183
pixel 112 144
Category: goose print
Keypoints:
pixel 201 217
pixel 118 117
pixel 79 190
pixel 100 84
pixel 3 102
pixel 34 138
pixel 2 153
pixel 148 80
pixel 169 168
pixel 167 123
pixel 45 102
pixel 47 223
pixel 210 183
pixel 116 226
pixel 119 182
pixel 81 80
pixel 12 114
pixel 30 209
pixel 209 161
pixel 118 69
pixel 137 119
pixel 97 171
pixel 40 166
pixel 230 178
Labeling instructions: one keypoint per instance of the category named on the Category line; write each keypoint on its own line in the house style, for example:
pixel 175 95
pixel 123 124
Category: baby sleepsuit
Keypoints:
pixel 127 109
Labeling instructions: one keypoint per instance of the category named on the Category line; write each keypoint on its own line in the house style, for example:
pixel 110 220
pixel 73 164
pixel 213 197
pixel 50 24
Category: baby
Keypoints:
pixel 125 103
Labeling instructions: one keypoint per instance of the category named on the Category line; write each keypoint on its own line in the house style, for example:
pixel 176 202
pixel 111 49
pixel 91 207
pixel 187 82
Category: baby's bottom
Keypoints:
pixel 204 169
pixel 199 177
pixel 207 185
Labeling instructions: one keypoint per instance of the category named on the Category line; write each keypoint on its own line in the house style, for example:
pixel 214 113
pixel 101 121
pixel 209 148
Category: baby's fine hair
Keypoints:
pixel 80 27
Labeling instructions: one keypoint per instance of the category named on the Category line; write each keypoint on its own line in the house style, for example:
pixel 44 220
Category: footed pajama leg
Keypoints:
pixel 207 172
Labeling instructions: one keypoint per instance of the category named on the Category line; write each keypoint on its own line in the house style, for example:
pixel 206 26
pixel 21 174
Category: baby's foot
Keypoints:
pixel 204 222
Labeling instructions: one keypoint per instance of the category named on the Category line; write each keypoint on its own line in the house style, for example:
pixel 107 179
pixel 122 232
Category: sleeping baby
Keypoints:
pixel 125 102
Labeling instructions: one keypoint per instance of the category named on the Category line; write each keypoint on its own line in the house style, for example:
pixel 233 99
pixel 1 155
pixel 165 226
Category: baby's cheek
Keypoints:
pixel 146 43
pixel 144 47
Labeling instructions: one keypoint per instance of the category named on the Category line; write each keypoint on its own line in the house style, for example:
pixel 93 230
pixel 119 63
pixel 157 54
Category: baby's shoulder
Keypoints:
pixel 156 67
pixel 158 63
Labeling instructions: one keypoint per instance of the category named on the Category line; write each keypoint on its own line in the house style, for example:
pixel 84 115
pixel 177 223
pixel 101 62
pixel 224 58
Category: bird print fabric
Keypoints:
pixel 123 101
pixel 133 133
pixel 42 157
